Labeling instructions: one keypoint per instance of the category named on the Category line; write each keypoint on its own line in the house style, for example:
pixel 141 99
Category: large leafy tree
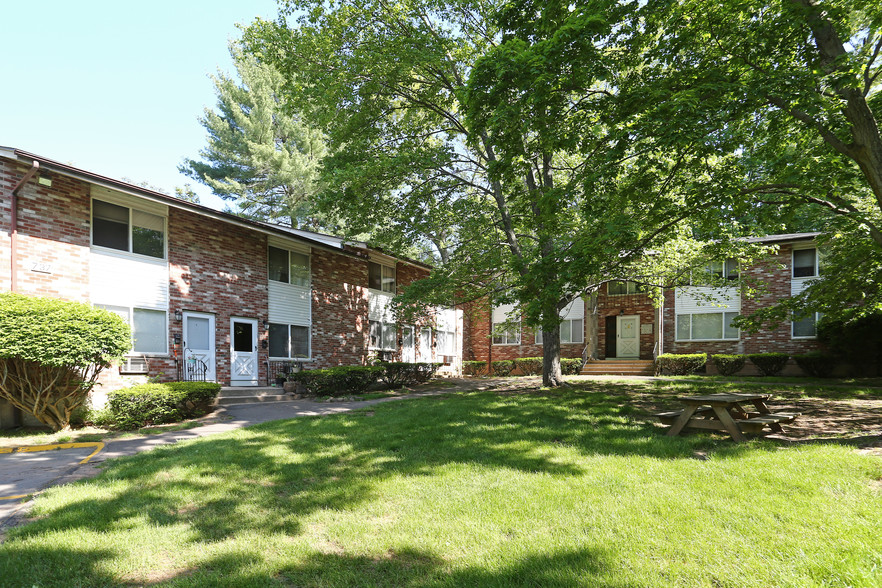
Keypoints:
pixel 259 155
pixel 794 86
pixel 489 132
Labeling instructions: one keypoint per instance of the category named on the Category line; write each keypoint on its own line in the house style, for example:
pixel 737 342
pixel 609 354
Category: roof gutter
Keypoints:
pixel 13 233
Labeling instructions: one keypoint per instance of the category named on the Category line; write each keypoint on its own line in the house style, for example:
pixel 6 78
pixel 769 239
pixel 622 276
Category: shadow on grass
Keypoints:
pixel 268 478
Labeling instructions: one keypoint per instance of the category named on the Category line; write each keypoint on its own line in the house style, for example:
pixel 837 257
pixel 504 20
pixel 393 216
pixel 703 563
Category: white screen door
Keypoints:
pixel 425 350
pixel 628 336
pixel 408 347
pixel 243 352
pixel 199 347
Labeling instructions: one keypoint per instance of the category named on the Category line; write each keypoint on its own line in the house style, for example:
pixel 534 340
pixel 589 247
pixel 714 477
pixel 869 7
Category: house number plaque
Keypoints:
pixel 41 267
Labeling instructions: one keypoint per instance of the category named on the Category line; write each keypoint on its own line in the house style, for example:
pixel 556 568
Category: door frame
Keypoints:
pixel 234 354
pixel 211 373
pixel 619 320
pixel 425 356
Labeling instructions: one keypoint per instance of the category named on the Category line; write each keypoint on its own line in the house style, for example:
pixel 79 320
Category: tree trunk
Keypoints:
pixel 551 373
pixel 592 324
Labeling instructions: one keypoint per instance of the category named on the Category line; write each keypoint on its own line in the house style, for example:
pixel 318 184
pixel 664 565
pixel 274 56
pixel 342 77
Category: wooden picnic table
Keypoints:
pixel 724 412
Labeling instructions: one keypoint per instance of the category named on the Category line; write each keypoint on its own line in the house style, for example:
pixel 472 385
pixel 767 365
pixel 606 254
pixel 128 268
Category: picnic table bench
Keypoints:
pixel 724 412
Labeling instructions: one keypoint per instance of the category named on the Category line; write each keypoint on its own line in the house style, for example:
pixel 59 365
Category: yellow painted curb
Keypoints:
pixel 98 445
pixel 5 449
pixel 13 497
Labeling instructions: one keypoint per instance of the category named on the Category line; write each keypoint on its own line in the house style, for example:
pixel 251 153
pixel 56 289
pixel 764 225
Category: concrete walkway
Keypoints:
pixel 25 474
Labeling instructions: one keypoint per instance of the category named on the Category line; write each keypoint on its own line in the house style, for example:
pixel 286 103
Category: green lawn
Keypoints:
pixel 538 489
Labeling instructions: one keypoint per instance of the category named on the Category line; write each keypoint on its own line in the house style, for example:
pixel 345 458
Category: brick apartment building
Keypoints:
pixel 207 294
pixel 691 319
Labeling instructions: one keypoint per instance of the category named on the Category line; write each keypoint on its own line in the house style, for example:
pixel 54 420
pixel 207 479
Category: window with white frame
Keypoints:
pixel 288 341
pixel 806 327
pixel 571 331
pixel 707 326
pixel 724 270
pixel 506 325
pixel 621 288
pixel 149 328
pixel 445 342
pixel 806 263
pixel 127 229
pixel 288 267
pixel 383 335
pixel 381 277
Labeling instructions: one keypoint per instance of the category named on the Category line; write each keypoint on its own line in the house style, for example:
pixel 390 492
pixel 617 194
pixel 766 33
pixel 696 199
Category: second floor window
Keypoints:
pixel 620 288
pixel 805 263
pixel 725 270
pixel 127 229
pixel 381 277
pixel 288 267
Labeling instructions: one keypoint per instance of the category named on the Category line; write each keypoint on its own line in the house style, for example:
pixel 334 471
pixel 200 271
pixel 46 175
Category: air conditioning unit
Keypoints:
pixel 135 364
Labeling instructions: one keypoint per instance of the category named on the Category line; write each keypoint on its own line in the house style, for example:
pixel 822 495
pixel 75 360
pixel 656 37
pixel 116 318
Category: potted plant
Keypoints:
pixel 281 378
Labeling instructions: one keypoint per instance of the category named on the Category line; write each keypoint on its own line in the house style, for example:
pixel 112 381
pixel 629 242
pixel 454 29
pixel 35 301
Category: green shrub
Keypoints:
pixel 502 367
pixel 728 364
pixel 51 352
pixel 856 338
pixel 679 364
pixel 474 368
pixel 342 380
pixel 769 364
pixel 400 373
pixel 570 367
pixel 155 404
pixel 529 366
pixel 818 365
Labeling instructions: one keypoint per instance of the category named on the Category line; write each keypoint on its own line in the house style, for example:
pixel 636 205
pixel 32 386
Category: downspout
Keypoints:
pixel 13 245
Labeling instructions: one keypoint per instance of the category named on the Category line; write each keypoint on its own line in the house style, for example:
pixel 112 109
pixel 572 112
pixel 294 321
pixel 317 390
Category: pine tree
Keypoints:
pixel 259 155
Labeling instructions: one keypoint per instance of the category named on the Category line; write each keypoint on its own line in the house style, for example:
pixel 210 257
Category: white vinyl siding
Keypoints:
pixel 289 300
pixel 699 299
pixel 120 280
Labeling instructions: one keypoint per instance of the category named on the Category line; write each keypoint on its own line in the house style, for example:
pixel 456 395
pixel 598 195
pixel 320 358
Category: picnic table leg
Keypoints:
pixel 682 420
pixel 729 423
pixel 763 409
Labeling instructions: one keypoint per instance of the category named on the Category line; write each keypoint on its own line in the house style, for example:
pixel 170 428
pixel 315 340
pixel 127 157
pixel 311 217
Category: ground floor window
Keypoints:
pixel 571 331
pixel 507 333
pixel 805 327
pixel 149 327
pixel 288 341
pixel 706 326
pixel 383 335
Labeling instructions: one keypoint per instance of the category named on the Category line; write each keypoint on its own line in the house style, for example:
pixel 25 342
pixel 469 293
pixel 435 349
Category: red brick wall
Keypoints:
pixel 339 310
pixel 53 231
pixel 626 304
pixel 775 274
pixel 220 269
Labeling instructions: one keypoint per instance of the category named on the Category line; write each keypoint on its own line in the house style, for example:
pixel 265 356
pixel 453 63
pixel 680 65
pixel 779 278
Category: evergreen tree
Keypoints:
pixel 259 155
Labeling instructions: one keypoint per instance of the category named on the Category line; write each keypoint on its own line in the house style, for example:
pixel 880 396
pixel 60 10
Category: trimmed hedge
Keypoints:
pixel 570 367
pixel 337 381
pixel 155 404
pixel 474 368
pixel 529 366
pixel 502 367
pixel 769 364
pixel 400 373
pixel 679 365
pixel 817 364
pixel 728 364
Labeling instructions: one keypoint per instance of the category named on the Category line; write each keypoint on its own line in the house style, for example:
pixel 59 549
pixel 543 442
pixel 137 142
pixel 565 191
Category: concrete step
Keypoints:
pixel 243 395
pixel 623 367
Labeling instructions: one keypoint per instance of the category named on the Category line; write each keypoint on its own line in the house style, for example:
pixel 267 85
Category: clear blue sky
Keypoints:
pixel 116 87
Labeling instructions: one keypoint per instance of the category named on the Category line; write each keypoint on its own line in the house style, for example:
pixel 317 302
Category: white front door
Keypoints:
pixel 425 351
pixel 243 352
pixel 199 347
pixel 628 336
pixel 408 345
